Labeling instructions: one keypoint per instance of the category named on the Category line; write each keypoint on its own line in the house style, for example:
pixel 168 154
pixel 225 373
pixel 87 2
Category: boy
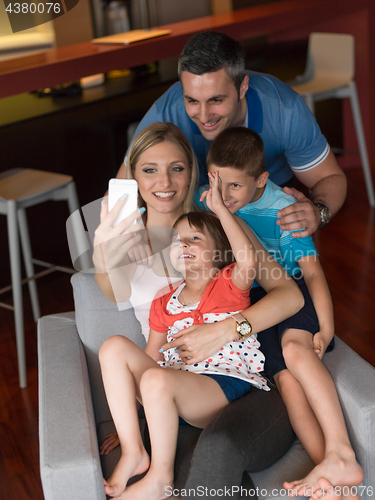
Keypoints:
pixel 237 154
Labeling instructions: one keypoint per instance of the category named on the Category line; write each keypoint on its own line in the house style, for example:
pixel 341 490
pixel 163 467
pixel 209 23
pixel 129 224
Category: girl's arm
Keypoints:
pixel 317 285
pixel 244 270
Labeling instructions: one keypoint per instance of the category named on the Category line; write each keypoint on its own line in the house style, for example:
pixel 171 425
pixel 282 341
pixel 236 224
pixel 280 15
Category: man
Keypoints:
pixel 215 92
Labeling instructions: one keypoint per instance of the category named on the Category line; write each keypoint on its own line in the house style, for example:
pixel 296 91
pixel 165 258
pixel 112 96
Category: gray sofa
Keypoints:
pixel 73 413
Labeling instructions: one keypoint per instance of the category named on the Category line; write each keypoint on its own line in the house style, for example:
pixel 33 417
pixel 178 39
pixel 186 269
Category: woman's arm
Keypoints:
pixel 317 285
pixel 283 299
pixel 113 268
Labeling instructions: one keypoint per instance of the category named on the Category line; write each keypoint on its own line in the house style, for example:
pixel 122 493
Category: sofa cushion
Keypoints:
pixel 97 319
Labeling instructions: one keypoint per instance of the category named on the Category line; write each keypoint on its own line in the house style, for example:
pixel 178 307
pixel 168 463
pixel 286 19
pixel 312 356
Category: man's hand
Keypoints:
pixel 301 215
pixel 327 184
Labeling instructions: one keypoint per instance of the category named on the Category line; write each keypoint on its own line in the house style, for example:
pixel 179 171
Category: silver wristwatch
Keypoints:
pixel 243 326
pixel 325 214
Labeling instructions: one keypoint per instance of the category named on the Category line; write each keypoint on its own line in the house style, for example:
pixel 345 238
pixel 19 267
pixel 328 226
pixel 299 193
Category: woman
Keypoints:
pixel 163 163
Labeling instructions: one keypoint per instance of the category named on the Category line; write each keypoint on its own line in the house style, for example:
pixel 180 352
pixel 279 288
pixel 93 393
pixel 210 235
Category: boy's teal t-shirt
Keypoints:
pixel 261 216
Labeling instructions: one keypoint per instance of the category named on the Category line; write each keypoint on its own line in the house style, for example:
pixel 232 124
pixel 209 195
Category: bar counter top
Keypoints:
pixel 70 63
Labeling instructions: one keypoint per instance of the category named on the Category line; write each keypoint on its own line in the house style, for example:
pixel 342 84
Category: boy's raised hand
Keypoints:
pixel 214 197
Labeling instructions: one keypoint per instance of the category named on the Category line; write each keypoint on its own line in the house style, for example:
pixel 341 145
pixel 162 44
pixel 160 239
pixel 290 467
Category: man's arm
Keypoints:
pixel 327 183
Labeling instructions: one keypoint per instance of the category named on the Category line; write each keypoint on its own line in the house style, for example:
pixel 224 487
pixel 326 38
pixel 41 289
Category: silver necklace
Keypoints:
pixel 189 303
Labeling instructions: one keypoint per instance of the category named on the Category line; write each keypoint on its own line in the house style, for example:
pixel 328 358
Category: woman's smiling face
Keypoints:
pixel 163 176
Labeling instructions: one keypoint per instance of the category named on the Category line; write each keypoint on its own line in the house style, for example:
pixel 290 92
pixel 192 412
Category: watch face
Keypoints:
pixel 244 328
pixel 325 215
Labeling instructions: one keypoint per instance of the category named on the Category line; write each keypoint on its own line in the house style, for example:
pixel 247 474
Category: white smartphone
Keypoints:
pixel 119 187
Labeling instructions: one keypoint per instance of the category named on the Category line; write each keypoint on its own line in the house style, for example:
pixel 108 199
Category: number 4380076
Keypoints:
pixel 32 8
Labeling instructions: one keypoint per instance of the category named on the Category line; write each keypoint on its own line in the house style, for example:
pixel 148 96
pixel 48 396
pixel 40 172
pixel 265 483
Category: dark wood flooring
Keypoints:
pixel 347 251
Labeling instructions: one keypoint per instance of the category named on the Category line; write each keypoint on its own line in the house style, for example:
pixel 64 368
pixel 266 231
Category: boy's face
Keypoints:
pixel 238 188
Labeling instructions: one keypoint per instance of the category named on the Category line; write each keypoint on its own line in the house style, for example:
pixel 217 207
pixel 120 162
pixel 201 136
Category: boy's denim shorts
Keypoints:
pixel 270 339
pixel 233 388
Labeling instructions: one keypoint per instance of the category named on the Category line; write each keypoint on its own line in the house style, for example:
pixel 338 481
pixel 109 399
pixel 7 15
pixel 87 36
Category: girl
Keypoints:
pixel 210 292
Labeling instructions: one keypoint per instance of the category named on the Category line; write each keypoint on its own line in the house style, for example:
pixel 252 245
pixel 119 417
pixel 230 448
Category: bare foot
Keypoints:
pixel 151 486
pixel 334 469
pixel 327 490
pixel 129 465
pixel 331 492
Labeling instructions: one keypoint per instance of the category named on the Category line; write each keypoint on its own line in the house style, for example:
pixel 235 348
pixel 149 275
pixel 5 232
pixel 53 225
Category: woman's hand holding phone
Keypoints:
pixel 112 244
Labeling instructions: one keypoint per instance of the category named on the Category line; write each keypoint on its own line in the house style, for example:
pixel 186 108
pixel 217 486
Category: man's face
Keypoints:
pixel 212 101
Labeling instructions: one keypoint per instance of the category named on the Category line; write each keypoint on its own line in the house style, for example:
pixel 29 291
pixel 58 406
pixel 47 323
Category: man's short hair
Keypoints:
pixel 210 51
pixel 240 148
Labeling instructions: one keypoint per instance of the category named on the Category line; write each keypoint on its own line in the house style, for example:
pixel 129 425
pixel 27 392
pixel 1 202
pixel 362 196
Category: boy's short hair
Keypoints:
pixel 200 220
pixel 240 148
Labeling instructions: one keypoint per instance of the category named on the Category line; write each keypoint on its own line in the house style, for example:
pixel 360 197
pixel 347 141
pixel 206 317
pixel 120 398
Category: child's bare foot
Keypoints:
pixel 327 490
pixel 336 492
pixel 331 492
pixel 334 469
pixel 129 465
pixel 151 486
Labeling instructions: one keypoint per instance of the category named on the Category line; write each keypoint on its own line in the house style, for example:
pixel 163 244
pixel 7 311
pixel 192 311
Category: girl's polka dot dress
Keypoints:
pixel 241 360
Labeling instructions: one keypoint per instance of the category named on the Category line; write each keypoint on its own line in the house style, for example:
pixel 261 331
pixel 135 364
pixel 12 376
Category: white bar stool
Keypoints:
pixel 329 74
pixel 20 189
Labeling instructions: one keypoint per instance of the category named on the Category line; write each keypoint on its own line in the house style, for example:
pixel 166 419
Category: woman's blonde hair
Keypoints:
pixel 155 134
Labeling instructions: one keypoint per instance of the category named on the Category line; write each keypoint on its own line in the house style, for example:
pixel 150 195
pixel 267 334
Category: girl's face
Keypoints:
pixel 192 250
pixel 163 175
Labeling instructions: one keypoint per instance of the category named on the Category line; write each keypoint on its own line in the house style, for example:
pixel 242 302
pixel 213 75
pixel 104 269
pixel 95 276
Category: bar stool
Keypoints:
pixel 329 74
pixel 20 189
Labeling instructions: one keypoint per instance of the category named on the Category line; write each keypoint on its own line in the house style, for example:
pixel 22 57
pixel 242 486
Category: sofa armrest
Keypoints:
pixel 69 454
pixel 355 381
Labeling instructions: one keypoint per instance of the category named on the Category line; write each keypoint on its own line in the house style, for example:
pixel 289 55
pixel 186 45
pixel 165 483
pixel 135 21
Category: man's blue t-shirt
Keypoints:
pixel 292 139
pixel 261 216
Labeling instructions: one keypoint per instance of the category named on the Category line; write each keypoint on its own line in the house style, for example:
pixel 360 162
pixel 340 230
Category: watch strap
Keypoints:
pixel 238 317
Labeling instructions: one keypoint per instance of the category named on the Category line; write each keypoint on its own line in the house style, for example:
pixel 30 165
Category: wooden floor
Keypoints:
pixel 347 251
